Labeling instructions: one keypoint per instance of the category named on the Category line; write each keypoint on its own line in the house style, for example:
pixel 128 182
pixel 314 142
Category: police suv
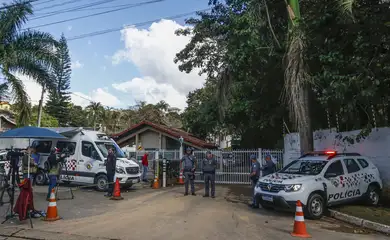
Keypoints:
pixel 319 180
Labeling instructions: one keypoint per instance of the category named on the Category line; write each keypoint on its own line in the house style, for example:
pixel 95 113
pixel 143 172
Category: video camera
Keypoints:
pixel 63 155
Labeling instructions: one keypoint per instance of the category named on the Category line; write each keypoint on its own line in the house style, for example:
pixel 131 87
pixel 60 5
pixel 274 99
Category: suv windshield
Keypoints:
pixel 104 146
pixel 305 167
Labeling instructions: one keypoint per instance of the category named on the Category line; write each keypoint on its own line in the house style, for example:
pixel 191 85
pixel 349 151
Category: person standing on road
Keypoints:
pixel 189 167
pixel 145 165
pixel 254 175
pixel 54 170
pixel 29 165
pixel 209 165
pixel 110 168
pixel 269 166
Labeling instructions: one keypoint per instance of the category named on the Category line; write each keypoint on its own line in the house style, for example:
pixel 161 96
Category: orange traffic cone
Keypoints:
pixel 117 191
pixel 52 213
pixel 299 223
pixel 156 183
pixel 181 180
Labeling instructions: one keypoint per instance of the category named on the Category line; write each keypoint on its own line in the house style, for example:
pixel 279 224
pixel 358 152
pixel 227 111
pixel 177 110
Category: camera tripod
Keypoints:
pixel 63 165
pixel 10 181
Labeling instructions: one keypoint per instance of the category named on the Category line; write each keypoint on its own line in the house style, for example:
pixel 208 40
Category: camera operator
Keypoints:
pixel 29 168
pixel 54 168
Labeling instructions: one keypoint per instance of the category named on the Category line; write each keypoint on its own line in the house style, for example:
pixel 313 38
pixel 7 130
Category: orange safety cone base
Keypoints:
pixel 156 184
pixel 301 235
pixel 51 219
pixel 116 198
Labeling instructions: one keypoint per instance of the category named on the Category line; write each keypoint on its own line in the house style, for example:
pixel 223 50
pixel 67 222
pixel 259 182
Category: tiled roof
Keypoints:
pixel 7 119
pixel 174 132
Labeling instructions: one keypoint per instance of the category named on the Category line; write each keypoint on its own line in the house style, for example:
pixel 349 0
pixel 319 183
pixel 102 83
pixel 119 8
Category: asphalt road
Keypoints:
pixel 166 214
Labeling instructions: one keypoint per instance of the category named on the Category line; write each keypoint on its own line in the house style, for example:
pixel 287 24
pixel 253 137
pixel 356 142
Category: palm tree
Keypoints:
pixel 29 52
pixel 95 109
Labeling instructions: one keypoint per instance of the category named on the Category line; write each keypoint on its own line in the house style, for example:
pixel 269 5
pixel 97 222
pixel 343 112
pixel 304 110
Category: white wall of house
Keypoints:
pixel 222 141
pixel 376 146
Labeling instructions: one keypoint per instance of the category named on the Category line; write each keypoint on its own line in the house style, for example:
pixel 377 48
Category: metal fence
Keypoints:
pixel 233 166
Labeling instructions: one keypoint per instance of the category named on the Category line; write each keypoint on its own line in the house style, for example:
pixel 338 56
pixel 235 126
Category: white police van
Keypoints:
pixel 319 180
pixel 88 152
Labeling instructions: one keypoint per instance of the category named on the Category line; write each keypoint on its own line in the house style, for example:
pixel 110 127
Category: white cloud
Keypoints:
pixel 98 95
pixel 148 90
pixel 70 28
pixel 152 51
pixel 77 64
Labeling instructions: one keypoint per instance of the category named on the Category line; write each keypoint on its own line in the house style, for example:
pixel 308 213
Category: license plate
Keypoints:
pixel 267 198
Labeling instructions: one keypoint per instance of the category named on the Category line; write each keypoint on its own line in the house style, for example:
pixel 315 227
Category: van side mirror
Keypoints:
pixel 330 175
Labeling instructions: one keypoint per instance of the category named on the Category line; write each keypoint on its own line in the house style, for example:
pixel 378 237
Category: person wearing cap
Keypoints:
pixel 269 166
pixel 254 176
pixel 53 170
pixel 189 166
pixel 209 165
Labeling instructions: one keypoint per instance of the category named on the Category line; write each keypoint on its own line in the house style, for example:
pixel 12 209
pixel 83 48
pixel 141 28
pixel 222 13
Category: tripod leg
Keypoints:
pixel 70 189
pixel 31 223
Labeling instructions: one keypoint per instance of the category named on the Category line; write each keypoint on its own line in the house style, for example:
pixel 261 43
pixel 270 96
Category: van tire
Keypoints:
pixel 315 207
pixel 101 183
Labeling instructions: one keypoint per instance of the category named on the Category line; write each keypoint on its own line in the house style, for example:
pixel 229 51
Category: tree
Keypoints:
pixel 28 52
pixel 58 104
pixel 95 110
pixel 79 116
pixel 46 121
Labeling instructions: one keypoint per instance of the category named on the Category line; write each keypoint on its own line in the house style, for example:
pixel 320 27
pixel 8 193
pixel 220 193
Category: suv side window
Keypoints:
pixel 363 163
pixel 335 169
pixel 88 150
pixel 351 165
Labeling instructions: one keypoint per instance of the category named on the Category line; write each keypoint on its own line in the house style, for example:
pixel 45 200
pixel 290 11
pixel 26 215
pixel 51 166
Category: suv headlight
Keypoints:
pixel 120 170
pixel 292 187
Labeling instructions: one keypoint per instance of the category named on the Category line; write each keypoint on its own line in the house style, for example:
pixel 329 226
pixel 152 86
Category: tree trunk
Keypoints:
pixel 306 130
pixel 40 106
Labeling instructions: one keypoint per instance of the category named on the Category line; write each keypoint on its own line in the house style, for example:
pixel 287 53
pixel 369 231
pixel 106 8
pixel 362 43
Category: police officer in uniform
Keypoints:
pixel 209 165
pixel 254 176
pixel 189 166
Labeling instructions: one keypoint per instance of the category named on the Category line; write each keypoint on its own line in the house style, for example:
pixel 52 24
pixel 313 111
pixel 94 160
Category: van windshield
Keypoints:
pixel 304 167
pixel 104 146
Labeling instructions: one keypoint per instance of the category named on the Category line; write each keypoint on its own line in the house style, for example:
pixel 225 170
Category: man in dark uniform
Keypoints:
pixel 209 165
pixel 189 166
pixel 110 168
pixel 254 176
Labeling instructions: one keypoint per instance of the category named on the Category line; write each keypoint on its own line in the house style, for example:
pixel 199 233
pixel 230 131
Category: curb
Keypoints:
pixel 360 222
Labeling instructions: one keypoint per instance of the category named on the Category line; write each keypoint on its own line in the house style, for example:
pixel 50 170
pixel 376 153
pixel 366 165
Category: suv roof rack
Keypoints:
pixel 330 154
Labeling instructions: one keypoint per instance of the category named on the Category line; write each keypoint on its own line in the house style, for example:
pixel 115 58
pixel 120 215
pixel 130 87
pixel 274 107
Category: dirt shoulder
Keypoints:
pixel 375 214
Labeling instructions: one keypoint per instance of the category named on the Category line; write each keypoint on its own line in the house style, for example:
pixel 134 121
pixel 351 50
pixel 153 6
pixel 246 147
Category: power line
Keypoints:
pixel 95 14
pixel 48 14
pixel 91 34
pixel 57 5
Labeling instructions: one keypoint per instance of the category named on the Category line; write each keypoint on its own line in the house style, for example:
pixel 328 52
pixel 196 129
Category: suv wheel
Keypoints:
pixel 315 207
pixel 373 195
pixel 101 182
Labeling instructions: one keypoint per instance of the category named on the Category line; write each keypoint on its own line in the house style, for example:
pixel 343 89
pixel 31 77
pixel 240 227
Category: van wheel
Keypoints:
pixel 373 195
pixel 101 182
pixel 40 179
pixel 315 207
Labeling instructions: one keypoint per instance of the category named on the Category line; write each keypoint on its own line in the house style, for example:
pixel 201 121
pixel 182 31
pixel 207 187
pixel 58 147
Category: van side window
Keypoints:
pixel 351 165
pixel 363 163
pixel 42 146
pixel 88 150
pixel 71 146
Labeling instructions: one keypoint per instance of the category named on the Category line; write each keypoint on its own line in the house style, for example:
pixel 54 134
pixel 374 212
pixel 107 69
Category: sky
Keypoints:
pixel 120 68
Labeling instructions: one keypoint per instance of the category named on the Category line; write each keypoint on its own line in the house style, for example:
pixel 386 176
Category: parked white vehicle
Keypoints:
pixel 320 180
pixel 88 152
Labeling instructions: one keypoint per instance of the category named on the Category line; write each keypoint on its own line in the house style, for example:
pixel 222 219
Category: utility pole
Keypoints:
pixel 40 106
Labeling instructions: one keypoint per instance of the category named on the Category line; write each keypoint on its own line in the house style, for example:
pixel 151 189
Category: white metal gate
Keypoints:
pixel 233 166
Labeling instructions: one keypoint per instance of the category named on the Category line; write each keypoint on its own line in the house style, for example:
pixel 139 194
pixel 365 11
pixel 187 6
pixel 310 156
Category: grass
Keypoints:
pixel 375 214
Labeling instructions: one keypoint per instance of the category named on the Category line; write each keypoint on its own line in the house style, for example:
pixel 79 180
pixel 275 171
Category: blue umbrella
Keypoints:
pixel 31 132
